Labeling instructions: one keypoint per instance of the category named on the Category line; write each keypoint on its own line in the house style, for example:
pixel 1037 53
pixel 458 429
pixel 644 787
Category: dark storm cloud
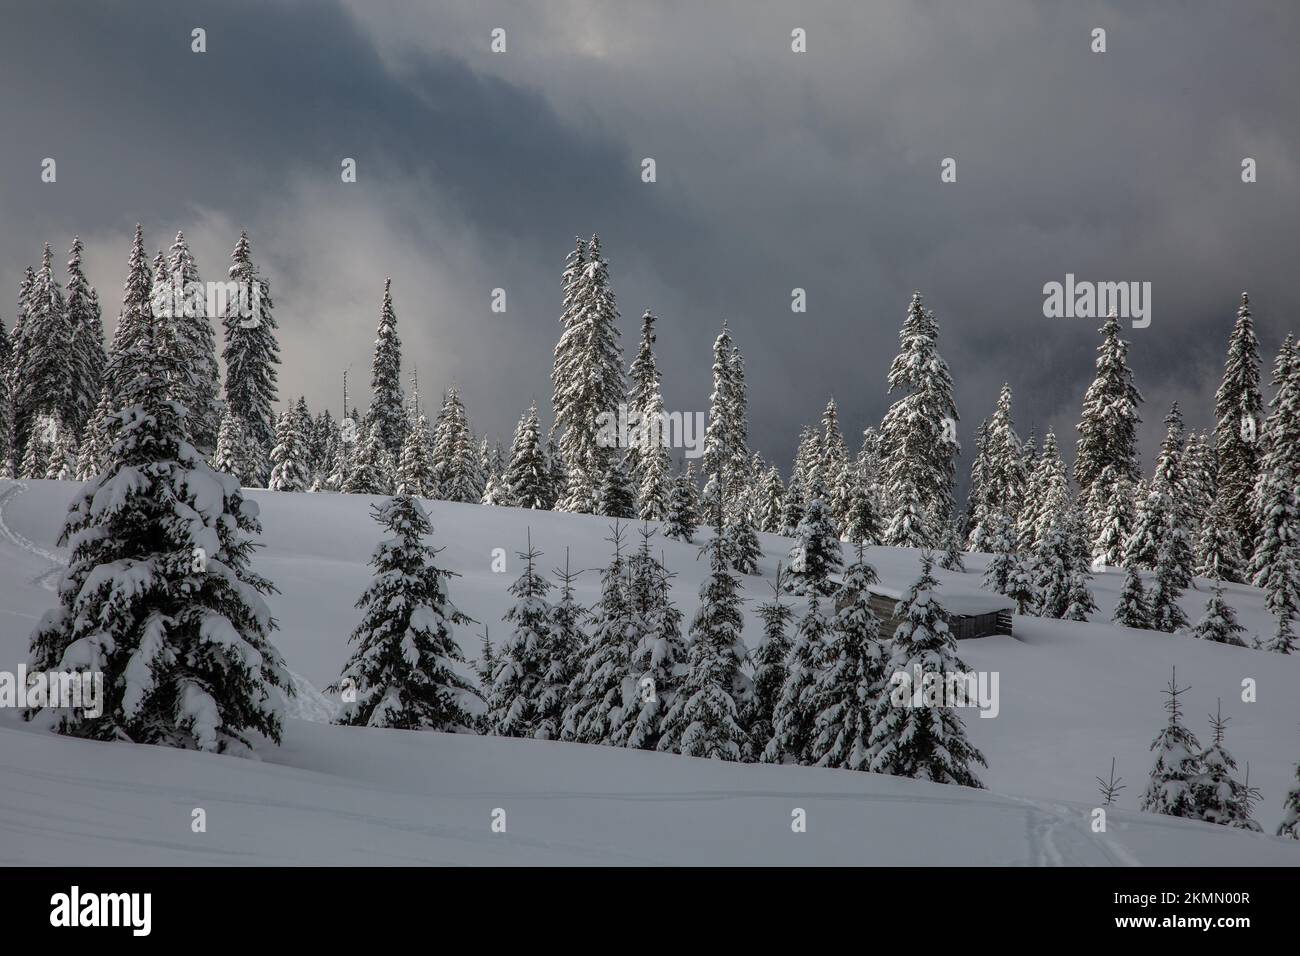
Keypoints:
pixel 776 170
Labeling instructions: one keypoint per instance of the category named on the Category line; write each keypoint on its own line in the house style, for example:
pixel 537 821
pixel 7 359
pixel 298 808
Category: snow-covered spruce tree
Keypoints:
pixel 527 479
pixel 743 546
pixel 615 498
pixel 62 463
pixel 495 492
pixel 1110 507
pixel 648 465
pixel 952 549
pixel 977 505
pixel 1021 586
pixel 1276 510
pixel 1109 420
pixel 44 382
pixel 289 456
pixel 95 442
pixel 1198 483
pixel 1132 609
pixel 853 678
pixel 769 502
pixel 794 720
pixel 485 667
pixel 862 519
pixel 228 456
pixel 587 374
pixel 1001 542
pixel 198 341
pixel 726 440
pixel 1178 763
pixel 704 719
pixel 159 595
pixel 683 508
pixel 1047 498
pixel 415 471
pixel 816 553
pixel 604 686
pixel 1238 417
pixel 1220 797
pixel 1216 550
pixel 917 446
pixel 834 465
pixel 1166 614
pixel 1167 517
pixel 518 681
pixel 1282 598
pixel 1004 475
pixel 369 470
pixel 86 330
pixel 251 355
pixel 1219 623
pixel 386 400
pixel 407 670
pixel 659 658
pixel 770 670
pixel 565 644
pixel 455 457
pixel 1081 605
pixel 926 742
pixel 1290 825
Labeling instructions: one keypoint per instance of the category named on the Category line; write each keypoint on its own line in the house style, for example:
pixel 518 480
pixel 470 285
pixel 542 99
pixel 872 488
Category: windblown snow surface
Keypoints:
pixel 1072 696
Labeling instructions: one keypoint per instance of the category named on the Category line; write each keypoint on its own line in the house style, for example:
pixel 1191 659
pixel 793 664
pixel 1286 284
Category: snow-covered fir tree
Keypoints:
pixel 704 719
pixel 386 400
pixel 918 445
pixel 615 498
pixel 587 375
pixel 835 462
pixel 1177 769
pixel 769 502
pixel 1216 550
pixel 1110 509
pixel 228 457
pixel 1132 609
pixel 1004 473
pixel 86 329
pixel 648 464
pixel 518 681
pixel 726 440
pixel 289 468
pixel 1290 825
pixel 455 456
pixel 407 670
pixel 852 679
pixel 927 742
pixel 794 720
pixel 1276 507
pixel 565 644
pixel 1170 575
pixel 1220 797
pixel 604 686
pixel 370 472
pixel 527 479
pixel 159 595
pixel 415 470
pixel 683 508
pixel 659 658
pixel 951 542
pixel 44 391
pixel 189 313
pixel 1219 622
pixel 251 355
pixel 862 517
pixel 1109 420
pixel 1001 542
pixel 770 670
pixel 743 546
pixel 816 553
pixel 1021 585
pixel 1047 495
pixel 1238 417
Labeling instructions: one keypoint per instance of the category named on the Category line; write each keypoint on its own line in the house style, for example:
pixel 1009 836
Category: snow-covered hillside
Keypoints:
pixel 1071 697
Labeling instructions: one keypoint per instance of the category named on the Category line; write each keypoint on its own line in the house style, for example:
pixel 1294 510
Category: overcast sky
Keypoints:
pixel 776 170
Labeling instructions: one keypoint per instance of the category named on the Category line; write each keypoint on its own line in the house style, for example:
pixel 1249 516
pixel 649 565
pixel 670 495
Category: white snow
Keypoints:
pixel 1072 696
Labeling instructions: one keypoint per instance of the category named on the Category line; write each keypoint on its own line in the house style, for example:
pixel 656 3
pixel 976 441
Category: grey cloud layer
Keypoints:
pixel 775 170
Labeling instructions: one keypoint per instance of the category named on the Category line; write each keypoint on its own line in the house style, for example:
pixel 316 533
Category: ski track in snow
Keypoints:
pixel 46 579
